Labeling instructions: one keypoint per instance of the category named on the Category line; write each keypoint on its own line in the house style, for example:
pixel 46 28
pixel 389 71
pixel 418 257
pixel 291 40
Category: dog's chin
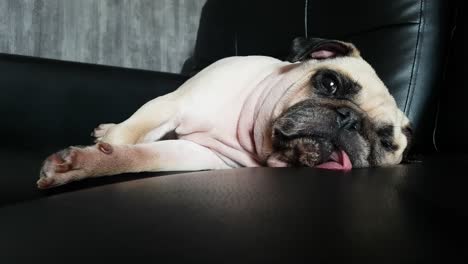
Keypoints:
pixel 307 152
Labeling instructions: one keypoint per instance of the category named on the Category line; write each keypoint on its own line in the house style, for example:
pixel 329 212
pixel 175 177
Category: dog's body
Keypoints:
pixel 252 111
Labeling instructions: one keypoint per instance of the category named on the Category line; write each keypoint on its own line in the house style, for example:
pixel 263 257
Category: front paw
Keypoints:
pixel 119 135
pixel 100 131
pixel 59 168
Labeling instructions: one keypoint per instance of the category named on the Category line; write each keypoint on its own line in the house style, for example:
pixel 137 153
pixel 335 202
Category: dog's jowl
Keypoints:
pixel 323 107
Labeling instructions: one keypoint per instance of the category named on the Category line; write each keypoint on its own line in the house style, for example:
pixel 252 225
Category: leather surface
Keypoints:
pixel 405 41
pixel 452 125
pixel 49 104
pixel 20 171
pixel 243 27
pixel 405 214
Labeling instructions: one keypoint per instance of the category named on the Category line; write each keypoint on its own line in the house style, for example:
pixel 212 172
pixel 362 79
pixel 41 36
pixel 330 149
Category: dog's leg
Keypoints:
pixel 155 113
pixel 76 163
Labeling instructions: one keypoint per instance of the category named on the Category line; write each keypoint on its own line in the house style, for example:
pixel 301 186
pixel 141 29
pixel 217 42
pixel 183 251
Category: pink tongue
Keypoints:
pixel 339 160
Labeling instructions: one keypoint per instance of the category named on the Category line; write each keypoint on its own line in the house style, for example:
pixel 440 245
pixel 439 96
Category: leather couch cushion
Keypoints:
pixel 405 214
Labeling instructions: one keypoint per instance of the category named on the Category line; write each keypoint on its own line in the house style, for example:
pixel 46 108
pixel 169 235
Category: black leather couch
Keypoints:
pixel 410 213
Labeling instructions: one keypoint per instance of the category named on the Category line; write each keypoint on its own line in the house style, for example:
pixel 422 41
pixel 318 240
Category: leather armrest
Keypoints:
pixel 49 104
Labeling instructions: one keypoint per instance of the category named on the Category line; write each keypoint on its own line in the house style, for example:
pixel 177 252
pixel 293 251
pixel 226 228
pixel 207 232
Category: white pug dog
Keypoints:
pixel 325 107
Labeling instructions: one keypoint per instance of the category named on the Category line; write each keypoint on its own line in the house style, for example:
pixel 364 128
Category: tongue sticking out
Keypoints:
pixel 339 160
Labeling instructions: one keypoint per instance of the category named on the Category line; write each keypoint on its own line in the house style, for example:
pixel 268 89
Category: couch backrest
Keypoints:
pixel 405 40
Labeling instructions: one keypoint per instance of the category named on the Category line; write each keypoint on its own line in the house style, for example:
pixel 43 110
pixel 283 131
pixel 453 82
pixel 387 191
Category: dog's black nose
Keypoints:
pixel 347 119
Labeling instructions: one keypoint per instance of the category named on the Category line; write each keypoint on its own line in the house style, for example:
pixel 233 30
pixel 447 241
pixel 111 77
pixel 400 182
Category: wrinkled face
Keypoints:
pixel 341 117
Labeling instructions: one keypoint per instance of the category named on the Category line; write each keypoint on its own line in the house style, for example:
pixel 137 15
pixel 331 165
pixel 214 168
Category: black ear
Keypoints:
pixel 303 49
pixel 408 156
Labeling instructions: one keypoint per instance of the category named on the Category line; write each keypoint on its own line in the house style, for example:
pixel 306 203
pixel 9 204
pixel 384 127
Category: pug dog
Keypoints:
pixel 323 107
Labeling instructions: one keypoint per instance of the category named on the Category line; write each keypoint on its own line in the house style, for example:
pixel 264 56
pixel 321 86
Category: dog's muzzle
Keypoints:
pixel 321 136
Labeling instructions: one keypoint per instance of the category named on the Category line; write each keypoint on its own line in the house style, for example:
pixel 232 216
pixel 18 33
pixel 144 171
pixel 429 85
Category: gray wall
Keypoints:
pixel 147 34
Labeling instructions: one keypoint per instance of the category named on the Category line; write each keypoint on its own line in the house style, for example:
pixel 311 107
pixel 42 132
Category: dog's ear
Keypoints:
pixel 303 49
pixel 408 156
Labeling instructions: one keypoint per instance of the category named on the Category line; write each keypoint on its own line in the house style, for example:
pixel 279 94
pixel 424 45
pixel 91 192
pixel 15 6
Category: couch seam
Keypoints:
pixel 410 93
pixel 447 58
pixel 306 29
pixel 235 44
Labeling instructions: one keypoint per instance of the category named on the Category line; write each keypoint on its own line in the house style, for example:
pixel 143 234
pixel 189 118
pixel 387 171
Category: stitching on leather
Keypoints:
pixel 409 96
pixel 305 18
pixel 235 44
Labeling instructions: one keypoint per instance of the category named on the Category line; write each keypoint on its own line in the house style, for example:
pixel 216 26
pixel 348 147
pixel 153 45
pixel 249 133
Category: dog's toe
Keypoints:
pixel 101 130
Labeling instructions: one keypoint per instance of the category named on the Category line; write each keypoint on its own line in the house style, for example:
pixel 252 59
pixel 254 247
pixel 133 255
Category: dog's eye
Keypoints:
pixel 330 84
pixel 388 145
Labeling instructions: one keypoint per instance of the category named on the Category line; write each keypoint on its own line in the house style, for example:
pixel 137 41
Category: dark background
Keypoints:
pixel 452 128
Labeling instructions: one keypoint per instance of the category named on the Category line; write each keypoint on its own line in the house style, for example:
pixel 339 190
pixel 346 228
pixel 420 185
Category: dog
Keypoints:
pixel 324 107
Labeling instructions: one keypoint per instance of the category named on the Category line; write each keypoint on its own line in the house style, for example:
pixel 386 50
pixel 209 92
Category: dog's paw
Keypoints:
pixel 60 168
pixel 76 163
pixel 100 131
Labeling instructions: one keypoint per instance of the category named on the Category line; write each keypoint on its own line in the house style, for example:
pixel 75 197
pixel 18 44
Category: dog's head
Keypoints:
pixel 340 115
